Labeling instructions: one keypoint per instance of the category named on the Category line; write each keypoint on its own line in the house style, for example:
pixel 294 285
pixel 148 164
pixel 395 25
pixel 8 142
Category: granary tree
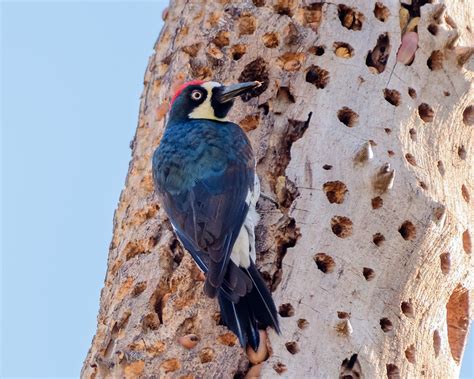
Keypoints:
pixel 363 132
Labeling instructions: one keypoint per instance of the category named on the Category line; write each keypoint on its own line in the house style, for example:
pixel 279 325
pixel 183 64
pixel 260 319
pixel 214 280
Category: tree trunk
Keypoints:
pixel 368 248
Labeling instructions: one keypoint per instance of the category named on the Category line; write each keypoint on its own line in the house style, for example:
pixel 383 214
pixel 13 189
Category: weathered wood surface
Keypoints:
pixel 356 268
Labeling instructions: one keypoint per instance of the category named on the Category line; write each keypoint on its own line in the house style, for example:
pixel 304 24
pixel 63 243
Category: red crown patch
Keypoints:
pixel 183 87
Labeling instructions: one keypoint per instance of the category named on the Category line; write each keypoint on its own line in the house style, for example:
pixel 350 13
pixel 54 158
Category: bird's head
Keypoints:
pixel 206 100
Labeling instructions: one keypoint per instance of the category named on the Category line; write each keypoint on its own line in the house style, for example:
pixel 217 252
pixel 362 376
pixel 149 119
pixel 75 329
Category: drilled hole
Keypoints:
pixel 200 71
pixel 441 168
pixel 291 61
pixel 413 135
pixel 255 70
pixel 386 324
pixel 423 185
pixel 347 116
pixel 466 242
pixel 392 96
pixel 343 50
pixel 222 39
pixel 335 191
pixel 377 202
pixel 250 122
pixel 139 288
pixel 462 153
pixel 271 40
pixel 317 76
pixel 368 273
pixel 247 25
pixel 468 115
pixel 436 342
pixel 392 371
pixel 265 108
pixel 302 323
pixel 214 55
pixel 206 355
pixel 351 368
pixel 135 248
pixel 227 339
pixel 410 159
pixel 292 347
pixel 192 50
pixel 341 226
pixel 457 318
pixel 407 309
pixel 412 93
pixel 426 112
pixel 445 262
pixel 378 57
pixel 439 212
pixel 378 239
pixel 317 50
pixel 238 51
pixel 390 153
pixel 327 167
pixel 292 35
pixel 414 7
pixel 280 368
pixel 324 262
pixel 150 322
pixel 343 315
pixel 350 18
pixel 408 231
pixel 410 354
pixel 286 310
pixel 311 15
pixel 381 12
pixel 435 61
pixel 433 29
pixel 388 130
pixel 465 193
pixel 285 7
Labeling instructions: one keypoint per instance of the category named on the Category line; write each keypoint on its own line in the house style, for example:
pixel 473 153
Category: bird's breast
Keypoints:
pixel 195 151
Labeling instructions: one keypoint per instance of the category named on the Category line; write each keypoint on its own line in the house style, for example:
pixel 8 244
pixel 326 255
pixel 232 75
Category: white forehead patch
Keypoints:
pixel 205 110
pixel 211 85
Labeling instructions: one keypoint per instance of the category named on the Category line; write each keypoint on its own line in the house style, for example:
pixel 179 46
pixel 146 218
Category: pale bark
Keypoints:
pixel 356 267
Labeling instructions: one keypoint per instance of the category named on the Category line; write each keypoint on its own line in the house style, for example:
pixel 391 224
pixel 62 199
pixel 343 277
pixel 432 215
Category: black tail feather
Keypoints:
pixel 268 315
pixel 255 309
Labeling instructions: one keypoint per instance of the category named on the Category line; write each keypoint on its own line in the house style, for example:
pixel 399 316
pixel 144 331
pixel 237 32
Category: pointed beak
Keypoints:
pixel 228 93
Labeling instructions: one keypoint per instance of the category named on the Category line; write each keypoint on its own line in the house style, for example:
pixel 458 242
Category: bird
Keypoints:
pixel 204 172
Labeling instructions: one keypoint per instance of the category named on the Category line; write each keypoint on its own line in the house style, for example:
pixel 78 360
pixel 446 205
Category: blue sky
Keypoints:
pixel 72 74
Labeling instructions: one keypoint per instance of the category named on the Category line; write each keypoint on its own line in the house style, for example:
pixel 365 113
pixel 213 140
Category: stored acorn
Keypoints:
pixel 383 179
pixel 261 354
pixel 188 341
pixel 254 372
pixel 364 154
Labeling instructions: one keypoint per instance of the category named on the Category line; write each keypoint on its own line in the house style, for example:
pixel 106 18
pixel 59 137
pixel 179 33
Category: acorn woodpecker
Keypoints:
pixel 205 179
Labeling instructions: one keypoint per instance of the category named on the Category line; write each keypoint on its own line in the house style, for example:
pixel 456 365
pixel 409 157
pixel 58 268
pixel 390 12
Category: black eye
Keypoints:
pixel 196 95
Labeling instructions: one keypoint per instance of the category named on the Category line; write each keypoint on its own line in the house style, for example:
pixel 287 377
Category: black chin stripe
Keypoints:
pixel 220 109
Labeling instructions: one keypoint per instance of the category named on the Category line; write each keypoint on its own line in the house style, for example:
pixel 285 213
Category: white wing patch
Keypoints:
pixel 244 247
